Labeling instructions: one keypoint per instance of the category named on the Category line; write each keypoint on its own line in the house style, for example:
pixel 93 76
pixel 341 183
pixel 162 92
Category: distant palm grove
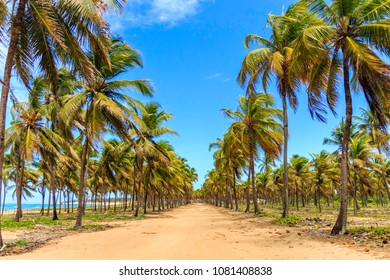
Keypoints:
pixel 82 137
pixel 325 50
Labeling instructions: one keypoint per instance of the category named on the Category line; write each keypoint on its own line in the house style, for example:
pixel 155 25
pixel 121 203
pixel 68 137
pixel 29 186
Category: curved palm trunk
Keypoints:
pixel 285 160
pixel 15 30
pixel 341 223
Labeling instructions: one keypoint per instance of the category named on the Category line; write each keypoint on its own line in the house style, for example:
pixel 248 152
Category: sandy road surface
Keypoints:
pixel 191 233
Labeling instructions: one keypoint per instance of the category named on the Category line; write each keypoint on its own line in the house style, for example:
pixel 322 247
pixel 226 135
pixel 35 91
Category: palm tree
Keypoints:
pixel 369 125
pixel 354 35
pixel 28 136
pixel 323 165
pixel 299 170
pixel 275 57
pixel 361 156
pixel 256 126
pixel 105 105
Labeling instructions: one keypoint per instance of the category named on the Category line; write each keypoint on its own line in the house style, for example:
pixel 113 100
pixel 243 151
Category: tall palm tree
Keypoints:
pixel 150 156
pixel 274 57
pixel 369 125
pixel 354 36
pixel 28 136
pixel 255 126
pixel 105 105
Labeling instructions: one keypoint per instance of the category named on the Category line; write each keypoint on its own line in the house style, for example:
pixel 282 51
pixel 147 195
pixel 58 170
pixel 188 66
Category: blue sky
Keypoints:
pixel 192 51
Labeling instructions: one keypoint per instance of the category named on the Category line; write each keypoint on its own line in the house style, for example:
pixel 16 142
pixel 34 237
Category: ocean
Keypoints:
pixel 12 206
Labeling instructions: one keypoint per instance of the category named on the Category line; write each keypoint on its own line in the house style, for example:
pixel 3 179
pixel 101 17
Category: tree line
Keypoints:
pixel 331 49
pixel 80 132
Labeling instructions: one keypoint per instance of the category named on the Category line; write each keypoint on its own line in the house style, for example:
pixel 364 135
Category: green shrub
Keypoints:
pixel 290 221
pixel 371 230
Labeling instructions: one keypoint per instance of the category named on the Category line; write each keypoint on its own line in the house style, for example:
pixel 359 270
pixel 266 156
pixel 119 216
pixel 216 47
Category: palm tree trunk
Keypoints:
pixel 296 196
pixel 341 223
pixel 254 188
pixel 15 30
pixel 42 212
pixel 145 199
pixel 19 186
pixel 285 160
pixel 319 197
pixel 235 191
pixel 227 190
pixel 137 196
pixel 53 188
pixel 48 204
pixel 80 208
pixel 248 199
pixel 355 202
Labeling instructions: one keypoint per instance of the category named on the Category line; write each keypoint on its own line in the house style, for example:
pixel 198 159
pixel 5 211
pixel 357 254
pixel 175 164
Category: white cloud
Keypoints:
pixel 214 76
pixel 161 12
pixel 218 76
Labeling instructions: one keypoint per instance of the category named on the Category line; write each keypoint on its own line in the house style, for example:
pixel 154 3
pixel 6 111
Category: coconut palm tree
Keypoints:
pixel 256 126
pixel 361 156
pixel 354 36
pixel 369 125
pixel 323 164
pixel 28 136
pixel 105 104
pixel 274 57
pixel 299 170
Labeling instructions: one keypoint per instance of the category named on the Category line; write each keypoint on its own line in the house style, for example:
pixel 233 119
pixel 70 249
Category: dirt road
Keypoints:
pixel 195 232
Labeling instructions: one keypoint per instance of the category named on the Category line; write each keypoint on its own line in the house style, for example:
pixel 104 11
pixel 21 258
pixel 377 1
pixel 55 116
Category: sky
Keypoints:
pixel 192 52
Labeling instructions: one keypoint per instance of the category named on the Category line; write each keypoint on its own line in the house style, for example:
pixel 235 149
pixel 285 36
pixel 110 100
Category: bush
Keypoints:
pixel 290 221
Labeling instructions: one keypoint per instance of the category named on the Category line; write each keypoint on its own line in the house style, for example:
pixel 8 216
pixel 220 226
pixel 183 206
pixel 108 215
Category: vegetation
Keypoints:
pixel 319 45
pixel 81 136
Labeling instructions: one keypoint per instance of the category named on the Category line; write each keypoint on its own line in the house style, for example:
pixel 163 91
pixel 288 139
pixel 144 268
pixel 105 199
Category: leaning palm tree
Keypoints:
pixel 256 125
pixel 352 40
pixel 105 105
pixel 274 57
pixel 28 136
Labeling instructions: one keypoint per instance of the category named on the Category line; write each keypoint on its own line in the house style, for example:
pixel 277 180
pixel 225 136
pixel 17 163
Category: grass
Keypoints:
pixel 290 221
pixel 378 231
pixel 31 221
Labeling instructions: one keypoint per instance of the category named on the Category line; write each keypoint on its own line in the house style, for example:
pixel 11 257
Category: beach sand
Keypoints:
pixel 197 232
